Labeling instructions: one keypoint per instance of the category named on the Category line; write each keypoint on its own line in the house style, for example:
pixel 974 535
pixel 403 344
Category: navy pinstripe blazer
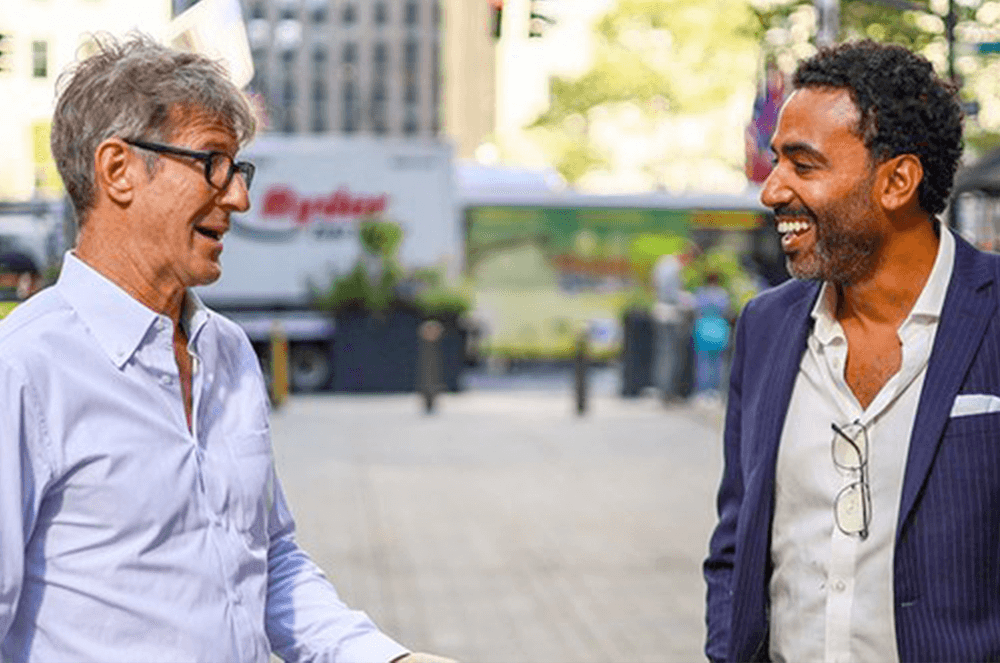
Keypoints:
pixel 947 556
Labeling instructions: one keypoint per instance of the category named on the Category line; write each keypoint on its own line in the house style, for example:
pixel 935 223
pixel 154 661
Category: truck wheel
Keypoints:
pixel 309 366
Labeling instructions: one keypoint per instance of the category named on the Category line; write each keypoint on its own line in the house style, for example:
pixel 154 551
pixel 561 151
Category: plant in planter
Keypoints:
pixel 378 314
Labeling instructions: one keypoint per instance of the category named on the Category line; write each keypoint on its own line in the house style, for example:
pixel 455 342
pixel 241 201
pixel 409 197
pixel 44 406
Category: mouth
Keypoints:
pixel 211 233
pixel 793 232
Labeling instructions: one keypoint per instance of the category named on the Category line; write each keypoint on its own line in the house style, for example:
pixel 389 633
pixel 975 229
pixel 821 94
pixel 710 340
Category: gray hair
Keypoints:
pixel 131 89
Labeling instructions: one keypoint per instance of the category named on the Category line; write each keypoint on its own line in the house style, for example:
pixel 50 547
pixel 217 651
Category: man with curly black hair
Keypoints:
pixel 859 510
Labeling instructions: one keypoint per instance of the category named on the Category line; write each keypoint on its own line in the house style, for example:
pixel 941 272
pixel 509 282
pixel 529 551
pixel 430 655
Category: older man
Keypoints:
pixel 140 515
pixel 859 512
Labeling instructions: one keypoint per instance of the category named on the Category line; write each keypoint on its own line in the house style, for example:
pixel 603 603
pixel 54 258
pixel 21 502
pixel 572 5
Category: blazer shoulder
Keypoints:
pixel 781 297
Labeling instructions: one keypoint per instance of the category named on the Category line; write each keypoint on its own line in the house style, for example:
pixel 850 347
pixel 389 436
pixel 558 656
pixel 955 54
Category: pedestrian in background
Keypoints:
pixel 859 508
pixel 711 336
pixel 671 323
pixel 141 518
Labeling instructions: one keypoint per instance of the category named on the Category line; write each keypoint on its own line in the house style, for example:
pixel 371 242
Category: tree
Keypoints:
pixel 787 28
pixel 655 60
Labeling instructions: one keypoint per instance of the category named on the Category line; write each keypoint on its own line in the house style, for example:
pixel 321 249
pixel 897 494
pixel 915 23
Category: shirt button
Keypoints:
pixel 839 585
pixel 166 380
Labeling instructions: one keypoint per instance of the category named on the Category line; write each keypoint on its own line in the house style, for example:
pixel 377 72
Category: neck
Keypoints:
pixel 902 270
pixel 151 287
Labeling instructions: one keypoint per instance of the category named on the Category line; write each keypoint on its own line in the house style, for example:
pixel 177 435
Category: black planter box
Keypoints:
pixel 637 353
pixel 379 353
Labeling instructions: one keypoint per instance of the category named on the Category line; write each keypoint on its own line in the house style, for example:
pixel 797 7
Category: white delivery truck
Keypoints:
pixel 308 195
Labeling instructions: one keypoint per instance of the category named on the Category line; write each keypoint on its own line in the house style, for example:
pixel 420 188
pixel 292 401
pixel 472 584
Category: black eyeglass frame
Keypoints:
pixel 245 168
pixel 862 468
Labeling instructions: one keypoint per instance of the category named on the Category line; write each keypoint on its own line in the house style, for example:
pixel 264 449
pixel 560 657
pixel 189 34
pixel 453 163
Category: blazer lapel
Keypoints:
pixel 781 366
pixel 968 307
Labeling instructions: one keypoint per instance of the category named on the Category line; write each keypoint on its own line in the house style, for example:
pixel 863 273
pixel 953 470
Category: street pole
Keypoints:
pixel 827 21
pixel 949 29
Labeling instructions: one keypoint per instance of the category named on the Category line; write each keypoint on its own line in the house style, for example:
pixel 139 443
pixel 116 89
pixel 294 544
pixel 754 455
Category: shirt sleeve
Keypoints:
pixel 306 620
pixel 25 471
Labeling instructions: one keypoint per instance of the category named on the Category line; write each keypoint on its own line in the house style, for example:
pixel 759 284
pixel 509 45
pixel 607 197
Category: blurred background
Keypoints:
pixel 494 257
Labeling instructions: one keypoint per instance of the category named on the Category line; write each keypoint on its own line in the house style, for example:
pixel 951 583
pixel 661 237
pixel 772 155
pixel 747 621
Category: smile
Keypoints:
pixel 792 227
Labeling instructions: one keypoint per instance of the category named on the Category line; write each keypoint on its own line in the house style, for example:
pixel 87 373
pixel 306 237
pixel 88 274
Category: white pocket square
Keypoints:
pixel 968 404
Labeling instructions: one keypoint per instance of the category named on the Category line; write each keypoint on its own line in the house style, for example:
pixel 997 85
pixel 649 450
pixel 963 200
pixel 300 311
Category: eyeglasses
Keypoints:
pixel 852 509
pixel 219 166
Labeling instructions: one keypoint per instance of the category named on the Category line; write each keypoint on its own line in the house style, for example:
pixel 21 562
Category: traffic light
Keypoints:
pixel 538 20
pixel 5 44
pixel 496 17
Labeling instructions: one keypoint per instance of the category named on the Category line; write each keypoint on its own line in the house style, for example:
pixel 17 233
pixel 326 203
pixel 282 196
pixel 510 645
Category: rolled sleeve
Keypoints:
pixel 306 620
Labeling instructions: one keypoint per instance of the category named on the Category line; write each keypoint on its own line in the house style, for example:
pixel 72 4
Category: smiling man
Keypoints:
pixel 140 515
pixel 859 508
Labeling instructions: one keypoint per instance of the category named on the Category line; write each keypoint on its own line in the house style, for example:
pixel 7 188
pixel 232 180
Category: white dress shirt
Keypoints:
pixel 832 593
pixel 123 535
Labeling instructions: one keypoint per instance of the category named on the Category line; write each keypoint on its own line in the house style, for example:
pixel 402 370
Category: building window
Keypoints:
pixel 378 109
pixel 39 59
pixel 412 13
pixel 318 11
pixel 347 58
pixel 435 90
pixel 288 106
pixel 350 14
pixel 288 9
pixel 319 89
pixel 381 13
pixel 350 121
pixel 411 126
pixel 410 64
pixel 259 82
pixel 319 107
pixel 319 58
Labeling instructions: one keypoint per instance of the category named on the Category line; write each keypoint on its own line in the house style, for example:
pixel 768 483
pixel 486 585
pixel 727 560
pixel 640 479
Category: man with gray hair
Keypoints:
pixel 140 515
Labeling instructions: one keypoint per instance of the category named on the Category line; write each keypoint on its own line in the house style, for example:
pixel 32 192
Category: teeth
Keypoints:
pixel 792 226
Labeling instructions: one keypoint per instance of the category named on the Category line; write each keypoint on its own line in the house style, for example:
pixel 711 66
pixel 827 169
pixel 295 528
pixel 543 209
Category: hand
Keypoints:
pixel 422 658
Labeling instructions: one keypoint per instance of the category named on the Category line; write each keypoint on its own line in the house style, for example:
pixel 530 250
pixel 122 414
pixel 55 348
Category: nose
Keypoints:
pixel 236 197
pixel 775 191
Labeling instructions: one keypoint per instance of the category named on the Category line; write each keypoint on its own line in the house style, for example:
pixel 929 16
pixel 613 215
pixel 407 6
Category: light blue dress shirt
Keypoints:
pixel 123 535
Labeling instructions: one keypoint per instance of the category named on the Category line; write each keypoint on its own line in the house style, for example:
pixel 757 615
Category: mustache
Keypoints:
pixel 789 211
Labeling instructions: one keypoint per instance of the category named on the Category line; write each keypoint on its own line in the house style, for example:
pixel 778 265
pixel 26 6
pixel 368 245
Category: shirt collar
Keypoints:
pixel 117 321
pixel 927 307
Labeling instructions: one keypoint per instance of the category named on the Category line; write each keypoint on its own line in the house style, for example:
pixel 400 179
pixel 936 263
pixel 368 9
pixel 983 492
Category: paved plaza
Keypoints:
pixel 505 528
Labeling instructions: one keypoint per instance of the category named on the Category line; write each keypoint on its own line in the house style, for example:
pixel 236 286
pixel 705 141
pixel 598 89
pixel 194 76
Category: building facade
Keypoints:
pixel 41 39
pixel 347 66
pixel 410 68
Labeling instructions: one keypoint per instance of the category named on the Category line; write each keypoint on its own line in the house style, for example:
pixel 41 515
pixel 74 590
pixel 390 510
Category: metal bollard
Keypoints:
pixel 279 365
pixel 429 378
pixel 581 361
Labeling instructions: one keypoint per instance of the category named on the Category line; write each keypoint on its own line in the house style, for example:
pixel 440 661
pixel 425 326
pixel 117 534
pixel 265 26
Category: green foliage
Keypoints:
pixel 380 238
pixel 732 277
pixel 660 57
pixel 360 291
pixel 638 299
pixel 441 302
pixel 646 249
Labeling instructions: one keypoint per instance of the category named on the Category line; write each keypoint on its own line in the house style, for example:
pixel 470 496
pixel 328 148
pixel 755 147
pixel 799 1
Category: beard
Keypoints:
pixel 846 247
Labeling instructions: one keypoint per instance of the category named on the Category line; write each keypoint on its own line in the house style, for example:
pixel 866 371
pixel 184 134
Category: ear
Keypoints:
pixel 115 168
pixel 900 179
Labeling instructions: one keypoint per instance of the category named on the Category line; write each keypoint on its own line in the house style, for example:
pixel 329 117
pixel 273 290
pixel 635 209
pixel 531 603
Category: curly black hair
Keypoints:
pixel 905 108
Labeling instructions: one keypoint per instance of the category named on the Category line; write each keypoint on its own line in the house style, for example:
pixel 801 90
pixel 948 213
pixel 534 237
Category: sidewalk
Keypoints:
pixel 505 528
